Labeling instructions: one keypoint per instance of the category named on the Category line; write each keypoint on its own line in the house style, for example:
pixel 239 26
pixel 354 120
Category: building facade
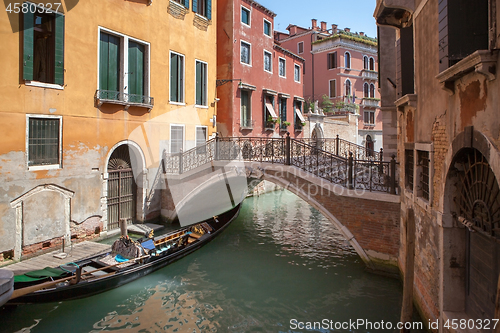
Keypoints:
pixel 446 80
pixel 340 70
pixel 260 83
pixel 90 102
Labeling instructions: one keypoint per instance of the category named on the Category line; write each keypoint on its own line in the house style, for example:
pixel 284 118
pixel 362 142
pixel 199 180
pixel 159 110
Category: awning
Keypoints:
pixel 270 109
pixel 299 114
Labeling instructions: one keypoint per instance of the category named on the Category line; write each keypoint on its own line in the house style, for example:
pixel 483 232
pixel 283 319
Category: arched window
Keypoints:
pixel 369 145
pixel 365 62
pixel 372 90
pixel 347 87
pixel 372 64
pixel 366 90
pixel 347 60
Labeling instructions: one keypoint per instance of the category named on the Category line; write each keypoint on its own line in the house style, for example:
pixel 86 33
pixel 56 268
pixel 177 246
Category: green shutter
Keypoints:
pixel 174 77
pixel 59 50
pixel 28 35
pixel 135 71
pixel 113 63
pixel 195 6
pixel 103 61
pixel 109 61
pixel 199 100
pixel 209 9
pixel 186 4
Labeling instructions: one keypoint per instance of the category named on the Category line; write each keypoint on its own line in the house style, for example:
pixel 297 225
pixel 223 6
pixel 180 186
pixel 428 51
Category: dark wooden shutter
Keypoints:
pixel 329 61
pixel 28 36
pixel 186 4
pixel 199 85
pixel 209 9
pixel 443 34
pixel 195 6
pixel 136 71
pixel 334 59
pixel 59 50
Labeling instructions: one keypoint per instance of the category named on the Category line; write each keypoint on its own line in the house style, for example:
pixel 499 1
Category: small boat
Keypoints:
pixel 128 261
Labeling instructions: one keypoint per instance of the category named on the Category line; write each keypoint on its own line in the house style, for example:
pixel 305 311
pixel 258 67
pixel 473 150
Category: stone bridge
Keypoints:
pixel 359 196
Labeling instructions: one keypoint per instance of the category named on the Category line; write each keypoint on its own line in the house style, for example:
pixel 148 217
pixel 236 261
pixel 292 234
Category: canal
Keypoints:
pixel 279 265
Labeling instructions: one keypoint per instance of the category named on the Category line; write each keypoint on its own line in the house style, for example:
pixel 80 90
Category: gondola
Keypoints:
pixel 128 261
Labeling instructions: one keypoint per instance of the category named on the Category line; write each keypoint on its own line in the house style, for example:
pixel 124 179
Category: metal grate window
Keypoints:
pixel 423 161
pixel 409 162
pixel 43 141
pixel 201 140
pixel 176 139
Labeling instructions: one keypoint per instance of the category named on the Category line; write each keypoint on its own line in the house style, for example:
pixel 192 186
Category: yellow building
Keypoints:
pixel 91 94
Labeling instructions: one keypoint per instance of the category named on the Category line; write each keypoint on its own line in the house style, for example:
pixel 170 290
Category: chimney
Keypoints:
pixel 314 23
pixel 361 33
pixel 334 29
pixel 323 26
pixel 347 29
pixel 293 30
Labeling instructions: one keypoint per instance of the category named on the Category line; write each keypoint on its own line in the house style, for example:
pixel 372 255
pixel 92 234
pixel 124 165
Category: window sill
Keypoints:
pixel 201 106
pixel 246 128
pixel 43 85
pixel 245 64
pixel 123 99
pixel 269 129
pixel 177 103
pixel 481 61
pixel 406 100
pixel 368 125
pixel 44 167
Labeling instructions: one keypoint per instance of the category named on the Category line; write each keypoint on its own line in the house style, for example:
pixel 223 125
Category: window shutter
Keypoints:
pixel 136 70
pixel 443 34
pixel 204 83
pixel 334 56
pixel 28 36
pixel 103 61
pixel 195 6
pixel 209 9
pixel 113 63
pixel 174 77
pixel 198 84
pixel 329 61
pixel 186 4
pixel 59 50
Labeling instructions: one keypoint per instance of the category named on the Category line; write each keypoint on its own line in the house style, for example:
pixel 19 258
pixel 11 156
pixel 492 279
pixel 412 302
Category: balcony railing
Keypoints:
pixel 369 75
pixel 370 103
pixel 116 97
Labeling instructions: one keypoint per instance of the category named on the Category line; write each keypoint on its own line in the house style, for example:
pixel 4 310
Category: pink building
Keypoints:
pixel 259 83
pixel 340 66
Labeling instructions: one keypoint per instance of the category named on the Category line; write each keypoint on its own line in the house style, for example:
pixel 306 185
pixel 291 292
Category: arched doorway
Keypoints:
pixel 121 188
pixel 369 145
pixel 474 203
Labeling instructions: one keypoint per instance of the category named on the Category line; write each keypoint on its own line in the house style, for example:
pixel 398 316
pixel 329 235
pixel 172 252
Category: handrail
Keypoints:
pixel 353 169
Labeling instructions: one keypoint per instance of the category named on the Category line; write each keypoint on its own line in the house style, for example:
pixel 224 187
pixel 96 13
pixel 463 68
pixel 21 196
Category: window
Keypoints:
pixel 176 138
pixel 366 90
pixel 123 78
pixel 185 3
pixel 372 64
pixel 109 66
pixel 269 114
pixel 176 77
pixel 245 53
pixel 201 83
pixel 296 73
pixel 299 119
pixel 405 62
pixel 267 28
pixel 333 88
pixel 268 62
pixel 282 106
pixel 370 145
pixel 347 60
pixel 423 163
pixel 43 46
pixel 245 16
pixel 203 8
pixel 463 30
pixel 347 87
pixel 365 62
pixel 136 72
pixel 372 90
pixel 282 67
pixel 332 60
pixel 409 160
pixel 44 141
pixel 300 47
pixel 201 139
pixel 369 117
pixel 246 116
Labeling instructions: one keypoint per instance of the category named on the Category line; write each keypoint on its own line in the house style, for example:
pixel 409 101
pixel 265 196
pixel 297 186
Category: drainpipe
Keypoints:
pixel 312 67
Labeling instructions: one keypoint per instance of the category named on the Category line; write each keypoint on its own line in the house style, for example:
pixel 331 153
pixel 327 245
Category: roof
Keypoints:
pixel 351 36
pixel 291 54
pixel 258 5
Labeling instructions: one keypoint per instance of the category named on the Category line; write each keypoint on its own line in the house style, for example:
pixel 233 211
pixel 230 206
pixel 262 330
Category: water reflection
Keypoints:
pixel 280 260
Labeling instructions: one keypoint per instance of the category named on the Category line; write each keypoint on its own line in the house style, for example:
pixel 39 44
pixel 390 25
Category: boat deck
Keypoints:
pixel 77 252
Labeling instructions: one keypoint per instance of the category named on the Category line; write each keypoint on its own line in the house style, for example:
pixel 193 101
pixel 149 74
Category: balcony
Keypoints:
pixel 119 98
pixel 369 75
pixel 370 102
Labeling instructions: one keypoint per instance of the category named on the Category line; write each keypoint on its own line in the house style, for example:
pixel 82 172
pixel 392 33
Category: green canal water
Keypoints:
pixel 278 264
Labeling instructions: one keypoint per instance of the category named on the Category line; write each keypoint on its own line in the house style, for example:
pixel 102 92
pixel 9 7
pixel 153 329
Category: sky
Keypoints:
pixel 354 14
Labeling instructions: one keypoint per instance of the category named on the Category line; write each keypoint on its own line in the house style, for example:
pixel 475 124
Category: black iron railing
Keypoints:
pixel 341 147
pixel 354 173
